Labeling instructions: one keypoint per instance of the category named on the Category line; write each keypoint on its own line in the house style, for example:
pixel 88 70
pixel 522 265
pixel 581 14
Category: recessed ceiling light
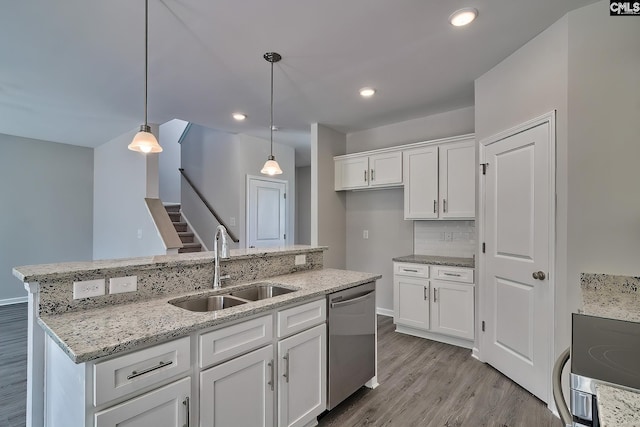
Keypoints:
pixel 239 116
pixel 463 17
pixel 367 92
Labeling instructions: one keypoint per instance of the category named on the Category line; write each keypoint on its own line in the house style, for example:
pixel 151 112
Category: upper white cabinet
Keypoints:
pixel 383 169
pixel 458 179
pixel 439 181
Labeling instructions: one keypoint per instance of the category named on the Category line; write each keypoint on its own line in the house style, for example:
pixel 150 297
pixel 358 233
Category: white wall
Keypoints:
pixel 122 178
pixel 218 164
pixel 604 145
pixel 47 206
pixel 328 207
pixel 381 212
pixel 303 205
pixel 169 160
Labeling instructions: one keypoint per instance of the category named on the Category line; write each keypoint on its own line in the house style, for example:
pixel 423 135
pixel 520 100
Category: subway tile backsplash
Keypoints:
pixel 445 238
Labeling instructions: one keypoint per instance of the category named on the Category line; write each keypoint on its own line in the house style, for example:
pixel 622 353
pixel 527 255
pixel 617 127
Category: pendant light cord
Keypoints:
pixel 271 127
pixel 146 58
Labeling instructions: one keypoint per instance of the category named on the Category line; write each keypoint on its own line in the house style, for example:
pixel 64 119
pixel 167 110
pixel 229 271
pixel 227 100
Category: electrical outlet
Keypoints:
pixel 232 221
pixel 301 259
pixel 139 233
pixel 88 288
pixel 118 285
pixel 365 234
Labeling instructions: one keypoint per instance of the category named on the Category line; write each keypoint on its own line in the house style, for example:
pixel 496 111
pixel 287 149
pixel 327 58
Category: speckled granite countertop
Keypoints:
pixel 437 260
pixel 613 297
pixel 89 334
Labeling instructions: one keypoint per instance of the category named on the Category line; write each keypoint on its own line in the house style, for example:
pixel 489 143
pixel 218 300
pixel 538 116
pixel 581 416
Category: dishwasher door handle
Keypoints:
pixel 352 300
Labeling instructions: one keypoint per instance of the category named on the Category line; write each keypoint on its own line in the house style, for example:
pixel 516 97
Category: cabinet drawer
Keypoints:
pixel 232 341
pixel 410 269
pixel 134 371
pixel 452 274
pixel 296 319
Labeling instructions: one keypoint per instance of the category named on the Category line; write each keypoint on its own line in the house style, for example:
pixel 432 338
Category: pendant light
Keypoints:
pixel 271 166
pixel 144 141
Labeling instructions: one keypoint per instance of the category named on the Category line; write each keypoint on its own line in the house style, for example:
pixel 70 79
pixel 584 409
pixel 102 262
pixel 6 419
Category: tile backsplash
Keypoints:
pixel 445 238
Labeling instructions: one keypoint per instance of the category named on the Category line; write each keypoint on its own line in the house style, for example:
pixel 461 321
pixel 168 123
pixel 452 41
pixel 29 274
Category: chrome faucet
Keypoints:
pixel 221 234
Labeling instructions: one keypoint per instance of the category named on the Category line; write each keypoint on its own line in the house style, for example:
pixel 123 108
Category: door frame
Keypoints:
pixel 248 206
pixel 549 118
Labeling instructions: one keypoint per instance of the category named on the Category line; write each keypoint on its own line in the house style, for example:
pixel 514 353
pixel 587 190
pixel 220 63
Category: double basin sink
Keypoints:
pixel 256 292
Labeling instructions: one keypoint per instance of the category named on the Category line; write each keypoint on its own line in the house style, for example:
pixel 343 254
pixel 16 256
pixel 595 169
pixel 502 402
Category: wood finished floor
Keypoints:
pixel 426 383
pixel 13 365
pixel 422 383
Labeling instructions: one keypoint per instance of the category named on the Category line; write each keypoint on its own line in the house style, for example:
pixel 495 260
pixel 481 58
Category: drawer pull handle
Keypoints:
pixel 452 274
pixel 409 270
pixel 286 370
pixel 162 364
pixel 185 402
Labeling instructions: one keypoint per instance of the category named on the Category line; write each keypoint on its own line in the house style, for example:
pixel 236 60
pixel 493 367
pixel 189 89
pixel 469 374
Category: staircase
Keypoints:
pixel 187 237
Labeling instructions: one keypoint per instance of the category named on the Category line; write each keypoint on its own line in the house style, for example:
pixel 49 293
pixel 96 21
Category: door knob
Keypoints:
pixel 539 275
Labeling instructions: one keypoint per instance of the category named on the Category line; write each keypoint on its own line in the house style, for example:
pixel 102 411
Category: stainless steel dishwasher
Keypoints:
pixel 352 341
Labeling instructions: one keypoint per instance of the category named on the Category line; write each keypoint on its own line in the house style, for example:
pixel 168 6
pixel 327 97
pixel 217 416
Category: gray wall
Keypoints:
pixel 218 163
pixel 47 215
pixel 169 160
pixel 122 224
pixel 531 82
pixel 303 205
pixel 328 207
pixel 381 212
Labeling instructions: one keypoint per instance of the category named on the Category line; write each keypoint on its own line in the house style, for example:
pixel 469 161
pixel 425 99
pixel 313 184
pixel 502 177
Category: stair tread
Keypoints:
pixel 185 233
pixel 191 245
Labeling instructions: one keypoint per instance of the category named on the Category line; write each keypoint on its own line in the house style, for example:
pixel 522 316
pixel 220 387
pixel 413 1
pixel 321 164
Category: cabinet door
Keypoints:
pixel 452 309
pixel 385 169
pixel 302 377
pixel 165 407
pixel 458 180
pixel 240 392
pixel 421 183
pixel 352 173
pixel 411 302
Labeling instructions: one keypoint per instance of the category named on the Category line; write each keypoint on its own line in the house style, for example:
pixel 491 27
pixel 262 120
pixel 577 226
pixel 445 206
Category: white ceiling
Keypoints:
pixel 72 71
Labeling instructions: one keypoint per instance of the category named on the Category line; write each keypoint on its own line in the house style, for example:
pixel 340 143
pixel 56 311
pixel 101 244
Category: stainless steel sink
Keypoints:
pixel 261 291
pixel 208 303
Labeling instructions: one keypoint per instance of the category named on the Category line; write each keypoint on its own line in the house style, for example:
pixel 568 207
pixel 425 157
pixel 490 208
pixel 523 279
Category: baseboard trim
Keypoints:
pixel 384 312
pixel 475 353
pixel 434 337
pixel 17 300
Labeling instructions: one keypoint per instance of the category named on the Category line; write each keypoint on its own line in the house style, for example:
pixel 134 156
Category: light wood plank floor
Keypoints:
pixel 422 383
pixel 13 365
pixel 426 383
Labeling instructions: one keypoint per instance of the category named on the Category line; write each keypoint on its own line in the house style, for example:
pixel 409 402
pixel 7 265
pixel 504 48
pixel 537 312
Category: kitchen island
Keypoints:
pixel 84 338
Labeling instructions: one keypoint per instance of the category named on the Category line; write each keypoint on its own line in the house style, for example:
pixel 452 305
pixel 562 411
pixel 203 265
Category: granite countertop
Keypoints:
pixel 89 334
pixel 614 297
pixel 437 260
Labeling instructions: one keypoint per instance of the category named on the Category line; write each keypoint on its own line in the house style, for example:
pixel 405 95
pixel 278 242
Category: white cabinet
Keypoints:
pixel 452 309
pixel 439 181
pixel 421 183
pixel 429 307
pixel 381 169
pixel 239 392
pixel 167 406
pixel 457 180
pixel 302 382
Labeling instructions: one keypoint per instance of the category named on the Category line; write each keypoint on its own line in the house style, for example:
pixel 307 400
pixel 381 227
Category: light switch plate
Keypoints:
pixel 88 288
pixel 301 259
pixel 118 285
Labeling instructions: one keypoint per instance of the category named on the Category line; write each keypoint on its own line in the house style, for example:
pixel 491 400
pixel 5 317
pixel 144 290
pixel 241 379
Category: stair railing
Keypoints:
pixel 206 203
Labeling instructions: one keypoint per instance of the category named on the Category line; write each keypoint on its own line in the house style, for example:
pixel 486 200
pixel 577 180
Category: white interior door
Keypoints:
pixel 518 307
pixel 266 212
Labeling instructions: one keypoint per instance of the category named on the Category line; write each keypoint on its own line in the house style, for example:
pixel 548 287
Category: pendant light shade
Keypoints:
pixel 271 166
pixel 144 141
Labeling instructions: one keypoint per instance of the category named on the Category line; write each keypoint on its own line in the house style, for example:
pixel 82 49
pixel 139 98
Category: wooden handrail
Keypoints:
pixel 213 212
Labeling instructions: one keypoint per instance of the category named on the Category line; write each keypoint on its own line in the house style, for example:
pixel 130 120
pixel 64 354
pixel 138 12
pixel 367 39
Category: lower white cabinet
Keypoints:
pixel 240 392
pixel 452 309
pixel 411 301
pixel 167 406
pixel 302 382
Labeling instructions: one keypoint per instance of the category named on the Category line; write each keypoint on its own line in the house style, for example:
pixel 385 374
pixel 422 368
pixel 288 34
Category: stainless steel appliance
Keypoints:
pixel 602 351
pixel 352 341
